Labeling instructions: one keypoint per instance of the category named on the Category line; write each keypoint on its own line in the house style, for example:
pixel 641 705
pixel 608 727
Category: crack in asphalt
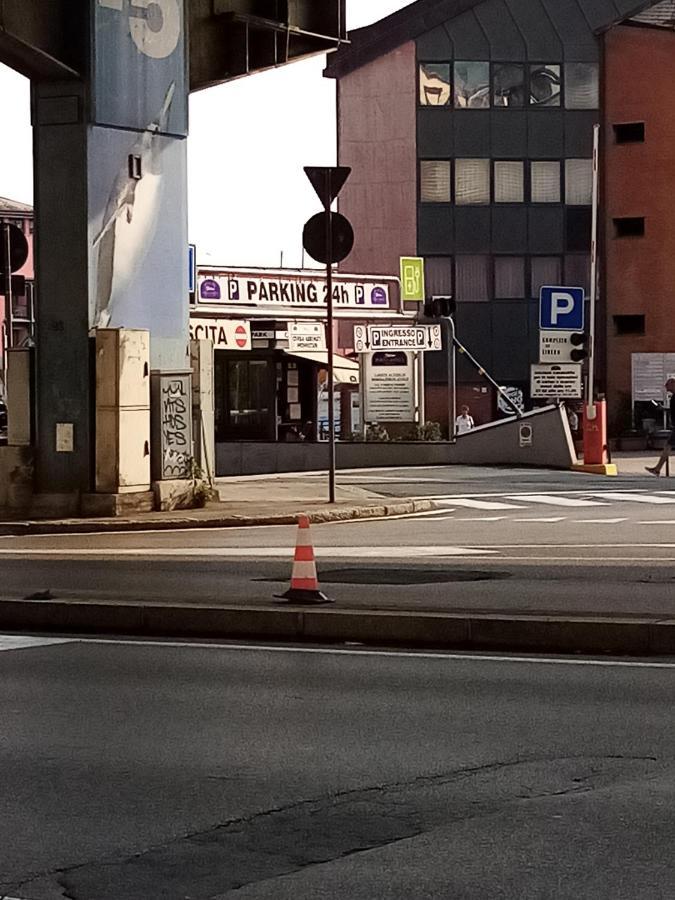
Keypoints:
pixel 291 837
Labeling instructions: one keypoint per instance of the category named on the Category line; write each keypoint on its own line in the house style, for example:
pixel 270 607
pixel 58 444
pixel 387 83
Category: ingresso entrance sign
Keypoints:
pixel 373 338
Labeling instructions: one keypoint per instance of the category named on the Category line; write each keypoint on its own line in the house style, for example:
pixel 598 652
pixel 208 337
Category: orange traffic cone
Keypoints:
pixel 304 581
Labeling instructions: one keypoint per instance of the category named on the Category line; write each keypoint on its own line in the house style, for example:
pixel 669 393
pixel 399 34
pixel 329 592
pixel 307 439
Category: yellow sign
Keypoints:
pixel 412 279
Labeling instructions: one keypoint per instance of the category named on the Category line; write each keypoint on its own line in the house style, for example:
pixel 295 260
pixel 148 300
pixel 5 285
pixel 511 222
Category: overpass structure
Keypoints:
pixel 110 84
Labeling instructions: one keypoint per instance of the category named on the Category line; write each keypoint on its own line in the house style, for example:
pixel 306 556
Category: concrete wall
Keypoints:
pixel 639 181
pixel 498 443
pixel 16 474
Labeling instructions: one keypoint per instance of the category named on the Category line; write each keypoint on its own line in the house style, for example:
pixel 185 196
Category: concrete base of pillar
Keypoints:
pixel 54 506
pixel 117 504
pixel 180 494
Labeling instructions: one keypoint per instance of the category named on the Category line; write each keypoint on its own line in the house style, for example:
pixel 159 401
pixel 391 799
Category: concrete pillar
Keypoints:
pixel 203 416
pixel 111 220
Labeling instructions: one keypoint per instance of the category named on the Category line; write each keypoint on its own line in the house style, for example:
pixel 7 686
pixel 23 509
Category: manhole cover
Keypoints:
pixel 403 576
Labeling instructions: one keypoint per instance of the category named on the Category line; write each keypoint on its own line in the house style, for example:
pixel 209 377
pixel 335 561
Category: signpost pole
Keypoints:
pixel 452 378
pixel 590 403
pixel 329 338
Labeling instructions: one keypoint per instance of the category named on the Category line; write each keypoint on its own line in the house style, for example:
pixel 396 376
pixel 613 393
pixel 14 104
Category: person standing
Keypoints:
pixel 670 440
pixel 464 422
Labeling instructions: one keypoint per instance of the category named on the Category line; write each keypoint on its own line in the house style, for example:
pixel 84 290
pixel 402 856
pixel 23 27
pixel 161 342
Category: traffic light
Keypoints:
pixel 580 352
pixel 439 307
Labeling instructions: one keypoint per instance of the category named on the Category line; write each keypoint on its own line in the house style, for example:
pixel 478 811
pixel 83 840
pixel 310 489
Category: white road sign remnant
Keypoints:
pixel 375 338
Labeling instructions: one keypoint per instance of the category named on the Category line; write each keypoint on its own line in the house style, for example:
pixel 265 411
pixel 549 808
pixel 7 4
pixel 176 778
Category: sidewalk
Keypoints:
pixel 268 500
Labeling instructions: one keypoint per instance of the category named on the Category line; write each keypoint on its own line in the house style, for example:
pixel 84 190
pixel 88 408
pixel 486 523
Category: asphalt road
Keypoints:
pixel 605 548
pixel 140 772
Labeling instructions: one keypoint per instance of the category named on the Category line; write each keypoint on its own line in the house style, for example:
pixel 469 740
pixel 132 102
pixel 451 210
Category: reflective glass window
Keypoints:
pixel 472 181
pixel 435 87
pixel 508 85
pixel 578 182
pixel 545 181
pixel 581 86
pixel 509 277
pixel 435 181
pixel 438 276
pixel 545 85
pixel 472 85
pixel 509 182
pixel 546 272
pixel 472 277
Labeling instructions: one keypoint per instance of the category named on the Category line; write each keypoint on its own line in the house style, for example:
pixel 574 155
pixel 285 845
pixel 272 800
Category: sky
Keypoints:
pixel 248 197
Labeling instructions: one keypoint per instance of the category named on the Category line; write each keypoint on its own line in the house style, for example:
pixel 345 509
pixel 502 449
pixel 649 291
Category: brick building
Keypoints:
pixel 468 125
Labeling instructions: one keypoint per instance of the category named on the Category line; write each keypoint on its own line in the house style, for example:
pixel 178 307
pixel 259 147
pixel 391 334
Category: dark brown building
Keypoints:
pixel 468 125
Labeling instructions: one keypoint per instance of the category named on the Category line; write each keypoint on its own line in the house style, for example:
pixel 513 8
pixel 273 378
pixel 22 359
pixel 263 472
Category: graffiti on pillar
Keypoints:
pixel 176 435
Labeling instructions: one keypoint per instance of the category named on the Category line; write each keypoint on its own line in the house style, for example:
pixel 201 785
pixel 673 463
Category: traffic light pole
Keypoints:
pixel 329 338
pixel 452 378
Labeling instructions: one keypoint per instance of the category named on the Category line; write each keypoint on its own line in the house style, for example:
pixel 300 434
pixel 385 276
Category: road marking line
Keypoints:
pixel 19 642
pixel 481 519
pixel 549 520
pixel 658 522
pixel 599 521
pixel 396 654
pixel 483 504
pixel 551 500
pixel 620 496
pixel 389 552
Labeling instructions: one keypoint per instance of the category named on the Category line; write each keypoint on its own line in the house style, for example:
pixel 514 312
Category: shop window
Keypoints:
pixel 581 85
pixel 508 85
pixel 545 181
pixel 545 85
pixel 509 277
pixel 546 272
pixel 509 182
pixel 578 271
pixel 631 226
pixel 438 276
pixel 472 181
pixel 435 86
pixel 629 133
pixel 435 181
pixel 472 85
pixel 472 278
pixel 578 229
pixel 578 182
pixel 629 324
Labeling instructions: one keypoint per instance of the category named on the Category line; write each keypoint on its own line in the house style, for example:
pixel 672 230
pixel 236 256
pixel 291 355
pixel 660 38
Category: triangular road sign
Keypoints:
pixel 327 181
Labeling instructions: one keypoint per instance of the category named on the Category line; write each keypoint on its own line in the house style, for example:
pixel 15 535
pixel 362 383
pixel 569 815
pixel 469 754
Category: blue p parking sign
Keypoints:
pixel 561 309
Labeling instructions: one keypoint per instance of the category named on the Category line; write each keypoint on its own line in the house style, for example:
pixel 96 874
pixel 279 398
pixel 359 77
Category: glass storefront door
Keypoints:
pixel 245 407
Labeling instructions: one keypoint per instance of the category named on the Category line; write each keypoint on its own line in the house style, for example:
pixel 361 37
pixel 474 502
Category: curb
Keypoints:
pixel 382 628
pixel 317 517
pixel 609 469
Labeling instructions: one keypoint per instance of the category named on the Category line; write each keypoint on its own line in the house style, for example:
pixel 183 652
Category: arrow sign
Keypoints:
pixel 327 181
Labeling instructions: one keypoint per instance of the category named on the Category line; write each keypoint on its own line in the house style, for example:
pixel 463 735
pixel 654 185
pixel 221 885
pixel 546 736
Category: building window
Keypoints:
pixel 629 133
pixel 509 277
pixel 472 85
pixel 472 278
pixel 629 324
pixel 508 85
pixel 472 181
pixel 578 229
pixel 545 85
pixel 545 182
pixel 630 226
pixel 509 182
pixel 438 276
pixel 581 86
pixel 435 181
pixel 546 272
pixel 578 182
pixel 435 87
pixel 578 271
